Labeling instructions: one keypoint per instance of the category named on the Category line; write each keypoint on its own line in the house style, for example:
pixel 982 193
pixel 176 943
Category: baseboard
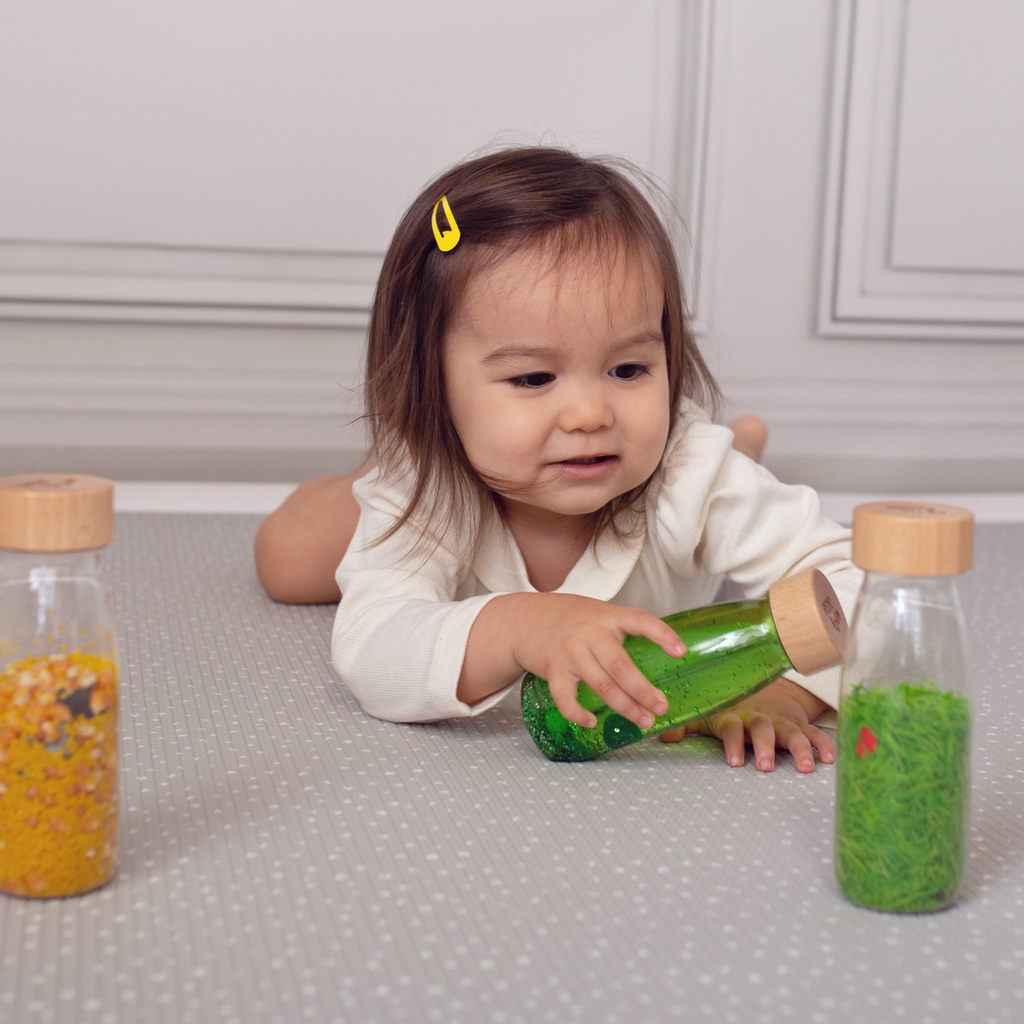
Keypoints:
pixel 283 465
pixel 899 475
pixel 279 465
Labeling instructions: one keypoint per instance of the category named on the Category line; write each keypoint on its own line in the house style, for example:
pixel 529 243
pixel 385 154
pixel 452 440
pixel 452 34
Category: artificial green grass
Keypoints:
pixel 903 779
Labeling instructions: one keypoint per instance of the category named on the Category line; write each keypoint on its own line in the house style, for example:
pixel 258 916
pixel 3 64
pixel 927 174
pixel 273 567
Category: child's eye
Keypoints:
pixel 532 380
pixel 630 371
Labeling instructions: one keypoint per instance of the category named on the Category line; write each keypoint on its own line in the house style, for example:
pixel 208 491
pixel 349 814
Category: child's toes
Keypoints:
pixel 749 436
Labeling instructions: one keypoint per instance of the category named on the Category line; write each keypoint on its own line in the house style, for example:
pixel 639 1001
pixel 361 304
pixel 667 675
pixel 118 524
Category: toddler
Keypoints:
pixel 546 477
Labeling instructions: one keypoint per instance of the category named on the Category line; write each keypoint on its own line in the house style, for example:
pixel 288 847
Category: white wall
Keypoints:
pixel 194 201
pixel 816 296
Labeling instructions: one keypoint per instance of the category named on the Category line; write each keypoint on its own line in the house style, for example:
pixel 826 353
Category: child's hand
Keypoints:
pixel 777 716
pixel 564 638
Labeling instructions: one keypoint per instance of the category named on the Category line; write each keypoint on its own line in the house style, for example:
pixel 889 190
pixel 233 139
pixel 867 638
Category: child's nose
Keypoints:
pixel 586 410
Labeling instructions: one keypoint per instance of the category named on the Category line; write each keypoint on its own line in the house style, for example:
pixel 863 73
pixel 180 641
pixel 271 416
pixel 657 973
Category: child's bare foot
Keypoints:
pixel 751 435
pixel 298 547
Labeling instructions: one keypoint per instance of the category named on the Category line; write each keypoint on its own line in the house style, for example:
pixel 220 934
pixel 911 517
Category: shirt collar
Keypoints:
pixel 600 573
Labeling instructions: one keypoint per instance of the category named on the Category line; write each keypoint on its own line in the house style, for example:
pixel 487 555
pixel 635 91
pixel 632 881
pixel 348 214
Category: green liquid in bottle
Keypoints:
pixel 733 651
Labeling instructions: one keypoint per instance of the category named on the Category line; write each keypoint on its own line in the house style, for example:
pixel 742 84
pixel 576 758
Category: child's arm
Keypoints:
pixel 415 643
pixel 564 638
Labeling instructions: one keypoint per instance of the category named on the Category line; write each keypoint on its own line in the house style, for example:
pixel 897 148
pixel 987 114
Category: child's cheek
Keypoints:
pixel 494 435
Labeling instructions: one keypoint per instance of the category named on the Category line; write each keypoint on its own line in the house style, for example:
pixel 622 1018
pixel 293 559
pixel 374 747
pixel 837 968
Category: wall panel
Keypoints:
pixel 196 200
pixel 925 216
pixel 870 376
pixel 248 161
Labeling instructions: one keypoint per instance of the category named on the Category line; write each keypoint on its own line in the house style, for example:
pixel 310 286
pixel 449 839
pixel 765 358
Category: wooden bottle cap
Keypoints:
pixel 55 512
pixel 809 620
pixel 912 538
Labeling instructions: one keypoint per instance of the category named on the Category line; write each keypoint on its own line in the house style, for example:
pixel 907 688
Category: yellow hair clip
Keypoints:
pixel 446 240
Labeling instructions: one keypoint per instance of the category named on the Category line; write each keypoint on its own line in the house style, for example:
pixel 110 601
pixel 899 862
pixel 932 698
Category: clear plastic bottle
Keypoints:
pixel 58 687
pixel 733 650
pixel 903 765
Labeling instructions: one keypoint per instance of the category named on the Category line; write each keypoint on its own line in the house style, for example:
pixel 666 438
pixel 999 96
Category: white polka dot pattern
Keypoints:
pixel 287 858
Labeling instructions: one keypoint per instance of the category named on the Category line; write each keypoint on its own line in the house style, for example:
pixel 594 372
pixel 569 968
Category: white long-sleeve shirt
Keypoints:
pixel 402 626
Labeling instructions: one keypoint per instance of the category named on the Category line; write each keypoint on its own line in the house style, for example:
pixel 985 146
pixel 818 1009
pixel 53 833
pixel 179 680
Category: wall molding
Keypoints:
pixel 889 436
pixel 928 404
pixel 863 293
pixel 145 283
pixel 136 282
pixel 219 463
pixel 188 392
pixel 701 64
pixel 95 338
pixel 164 284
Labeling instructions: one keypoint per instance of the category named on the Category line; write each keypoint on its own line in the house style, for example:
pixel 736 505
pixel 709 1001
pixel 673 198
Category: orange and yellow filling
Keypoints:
pixel 58 774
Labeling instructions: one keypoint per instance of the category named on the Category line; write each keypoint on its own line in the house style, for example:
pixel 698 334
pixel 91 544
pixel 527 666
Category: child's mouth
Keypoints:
pixel 587 466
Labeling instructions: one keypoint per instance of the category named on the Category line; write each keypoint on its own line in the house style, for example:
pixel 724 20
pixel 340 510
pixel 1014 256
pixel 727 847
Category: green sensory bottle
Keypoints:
pixel 903 773
pixel 733 650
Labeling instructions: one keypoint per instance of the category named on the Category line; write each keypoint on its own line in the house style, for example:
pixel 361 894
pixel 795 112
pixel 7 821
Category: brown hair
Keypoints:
pixel 503 203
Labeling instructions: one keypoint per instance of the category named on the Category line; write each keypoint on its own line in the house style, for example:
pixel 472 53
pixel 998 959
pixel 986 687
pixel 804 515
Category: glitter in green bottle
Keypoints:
pixel 902 786
pixel 733 650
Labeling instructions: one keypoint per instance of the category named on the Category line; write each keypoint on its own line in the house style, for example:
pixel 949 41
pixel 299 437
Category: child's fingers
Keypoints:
pixel 730 730
pixel 613 691
pixel 822 743
pixel 762 737
pixel 621 670
pixel 563 688
pixel 790 736
pixel 644 624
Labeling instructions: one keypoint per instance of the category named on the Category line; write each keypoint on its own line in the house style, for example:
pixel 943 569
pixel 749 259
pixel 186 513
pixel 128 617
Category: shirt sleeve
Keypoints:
pixel 722 512
pixel 399 637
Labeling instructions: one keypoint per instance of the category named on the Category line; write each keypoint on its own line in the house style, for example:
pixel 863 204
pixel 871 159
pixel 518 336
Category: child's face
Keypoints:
pixel 557 381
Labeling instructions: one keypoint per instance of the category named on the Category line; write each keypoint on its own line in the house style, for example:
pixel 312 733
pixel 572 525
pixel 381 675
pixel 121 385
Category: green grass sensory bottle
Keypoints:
pixel 903 764
pixel 733 650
